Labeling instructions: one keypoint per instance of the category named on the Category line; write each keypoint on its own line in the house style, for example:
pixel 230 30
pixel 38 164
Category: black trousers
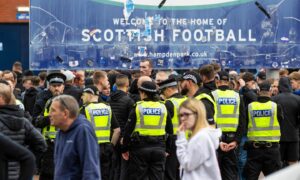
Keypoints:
pixel 228 162
pixel 119 165
pixel 47 163
pixel 266 160
pixel 147 163
pixel 106 155
pixel 172 164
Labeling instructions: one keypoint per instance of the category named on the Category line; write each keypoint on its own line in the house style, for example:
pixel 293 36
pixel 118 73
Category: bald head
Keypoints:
pixel 143 79
pixel 161 76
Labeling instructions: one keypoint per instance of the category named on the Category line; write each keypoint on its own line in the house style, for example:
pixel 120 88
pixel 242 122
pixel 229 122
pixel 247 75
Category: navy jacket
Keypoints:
pixel 76 154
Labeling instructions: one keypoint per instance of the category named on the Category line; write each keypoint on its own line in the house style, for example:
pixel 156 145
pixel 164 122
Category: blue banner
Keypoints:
pixel 117 34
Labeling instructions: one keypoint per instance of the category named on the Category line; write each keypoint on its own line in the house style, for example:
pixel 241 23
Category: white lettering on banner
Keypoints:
pixel 186 35
pixel 100 112
pixel 152 111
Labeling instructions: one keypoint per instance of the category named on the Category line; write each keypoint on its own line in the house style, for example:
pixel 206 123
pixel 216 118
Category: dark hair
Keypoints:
pixel 248 77
pixel 207 71
pixel 43 75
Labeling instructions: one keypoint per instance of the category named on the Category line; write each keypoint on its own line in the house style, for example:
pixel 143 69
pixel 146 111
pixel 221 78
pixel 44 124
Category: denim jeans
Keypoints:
pixel 242 158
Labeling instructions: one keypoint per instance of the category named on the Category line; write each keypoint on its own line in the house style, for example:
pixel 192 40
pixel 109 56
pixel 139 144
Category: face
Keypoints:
pixel 104 83
pixel 251 84
pixel 57 117
pixel 188 118
pixel 145 68
pixel 56 89
pixel 294 84
pixel 127 86
pixel 8 77
pixel 184 87
pixel 106 90
pixel 27 84
pixel 79 80
pixel 274 88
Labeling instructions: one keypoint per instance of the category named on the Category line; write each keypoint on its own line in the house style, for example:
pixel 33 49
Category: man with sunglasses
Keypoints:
pixel 169 90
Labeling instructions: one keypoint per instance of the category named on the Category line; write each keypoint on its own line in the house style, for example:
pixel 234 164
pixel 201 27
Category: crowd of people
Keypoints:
pixel 147 124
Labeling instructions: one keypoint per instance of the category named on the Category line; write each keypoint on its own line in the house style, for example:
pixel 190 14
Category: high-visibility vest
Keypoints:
pixel 99 114
pixel 151 118
pixel 263 123
pixel 49 132
pixel 203 96
pixel 175 119
pixel 228 109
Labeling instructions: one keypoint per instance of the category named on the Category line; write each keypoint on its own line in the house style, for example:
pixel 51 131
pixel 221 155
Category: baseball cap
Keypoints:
pixel 69 75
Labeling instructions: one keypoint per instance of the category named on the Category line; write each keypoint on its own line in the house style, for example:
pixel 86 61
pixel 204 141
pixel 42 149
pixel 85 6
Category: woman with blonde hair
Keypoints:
pixel 197 156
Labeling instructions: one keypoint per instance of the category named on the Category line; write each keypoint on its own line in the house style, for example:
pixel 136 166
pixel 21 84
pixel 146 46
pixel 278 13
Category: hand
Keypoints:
pixel 167 154
pixel 181 128
pixel 125 156
pixel 232 145
pixel 242 82
pixel 224 146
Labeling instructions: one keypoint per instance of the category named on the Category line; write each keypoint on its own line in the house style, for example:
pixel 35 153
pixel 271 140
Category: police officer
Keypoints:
pixel 104 122
pixel 56 87
pixel 144 137
pixel 263 135
pixel 230 117
pixel 169 90
pixel 190 83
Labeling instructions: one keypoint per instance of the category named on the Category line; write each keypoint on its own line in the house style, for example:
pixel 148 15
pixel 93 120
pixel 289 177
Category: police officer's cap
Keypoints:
pixel 170 82
pixel 91 90
pixel 191 75
pixel 148 86
pixel 56 78
pixel 223 75
pixel 264 86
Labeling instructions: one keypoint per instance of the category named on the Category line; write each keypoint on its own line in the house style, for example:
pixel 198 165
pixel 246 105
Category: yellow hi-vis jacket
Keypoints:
pixel 263 124
pixel 228 109
pixel 99 114
pixel 175 119
pixel 203 96
pixel 49 132
pixel 151 118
